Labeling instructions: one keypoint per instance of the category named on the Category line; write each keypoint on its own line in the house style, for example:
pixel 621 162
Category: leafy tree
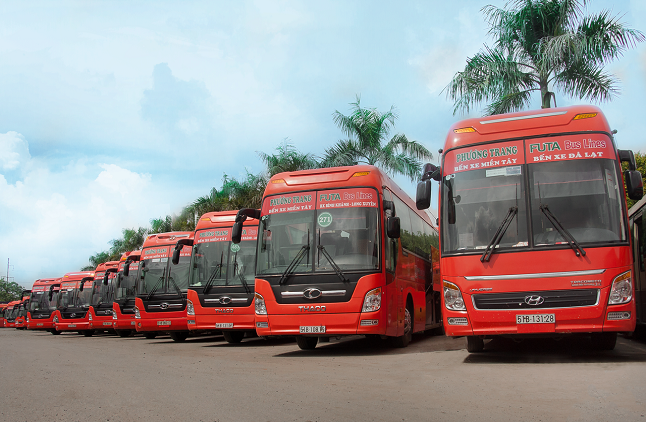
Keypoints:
pixel 368 130
pixel 288 158
pixel 10 290
pixel 640 160
pixel 541 45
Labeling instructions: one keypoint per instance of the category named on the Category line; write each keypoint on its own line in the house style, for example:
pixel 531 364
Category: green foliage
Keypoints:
pixel 419 243
pixel 640 160
pixel 10 290
pixel 288 158
pixel 539 45
pixel 368 131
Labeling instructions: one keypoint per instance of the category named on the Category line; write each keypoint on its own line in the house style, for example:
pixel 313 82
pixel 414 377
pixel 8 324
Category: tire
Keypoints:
pixel 307 343
pixel 402 341
pixel 55 332
pixel 124 333
pixel 604 341
pixel 88 333
pixel 179 336
pixel 475 344
pixel 233 336
pixel 150 336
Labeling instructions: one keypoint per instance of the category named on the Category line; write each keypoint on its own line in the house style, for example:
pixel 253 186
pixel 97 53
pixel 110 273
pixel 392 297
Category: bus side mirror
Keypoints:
pixel 634 184
pixel 126 268
pixel 626 155
pixel 392 227
pixel 105 279
pixel 236 232
pixel 119 276
pixel 176 252
pixel 423 196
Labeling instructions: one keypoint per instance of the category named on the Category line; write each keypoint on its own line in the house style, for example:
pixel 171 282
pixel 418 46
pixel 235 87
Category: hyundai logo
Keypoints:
pixel 534 300
pixel 312 293
pixel 225 300
pixel 163 305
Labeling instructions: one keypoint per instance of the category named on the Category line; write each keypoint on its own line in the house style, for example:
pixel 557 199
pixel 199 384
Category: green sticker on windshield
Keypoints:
pixel 325 219
pixel 235 247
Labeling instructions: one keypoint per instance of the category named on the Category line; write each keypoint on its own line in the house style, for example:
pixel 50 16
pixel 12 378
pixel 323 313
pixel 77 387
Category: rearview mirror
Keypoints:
pixel 105 279
pixel 126 268
pixel 423 196
pixel 236 232
pixel 392 227
pixel 634 184
pixel 626 155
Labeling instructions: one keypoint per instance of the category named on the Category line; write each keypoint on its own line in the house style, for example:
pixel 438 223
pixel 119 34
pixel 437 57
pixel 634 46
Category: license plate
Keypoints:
pixel 39 324
pixel 163 322
pixel 107 323
pixel 132 323
pixel 535 319
pixel 310 329
pixel 224 325
pixel 71 325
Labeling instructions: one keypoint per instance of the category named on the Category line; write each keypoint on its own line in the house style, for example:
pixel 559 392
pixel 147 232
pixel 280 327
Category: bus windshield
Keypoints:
pixel 127 283
pixel 316 240
pixel 102 294
pixel 152 273
pixel 583 195
pixel 39 301
pixel 223 263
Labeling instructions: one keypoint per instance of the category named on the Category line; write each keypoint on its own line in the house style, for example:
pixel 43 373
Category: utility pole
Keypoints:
pixel 7 279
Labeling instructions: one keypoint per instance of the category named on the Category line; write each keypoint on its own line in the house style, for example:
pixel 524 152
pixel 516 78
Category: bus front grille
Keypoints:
pixel 537 299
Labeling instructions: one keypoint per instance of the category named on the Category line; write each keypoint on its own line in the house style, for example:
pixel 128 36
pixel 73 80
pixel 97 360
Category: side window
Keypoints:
pixel 403 213
pixel 641 238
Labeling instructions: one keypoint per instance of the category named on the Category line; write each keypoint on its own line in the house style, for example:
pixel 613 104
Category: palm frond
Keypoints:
pixel 605 38
pixel 511 101
pixel 586 80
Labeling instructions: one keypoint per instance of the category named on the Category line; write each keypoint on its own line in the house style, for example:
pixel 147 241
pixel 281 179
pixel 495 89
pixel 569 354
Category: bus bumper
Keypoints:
pixel 73 325
pixel 220 318
pixel 123 321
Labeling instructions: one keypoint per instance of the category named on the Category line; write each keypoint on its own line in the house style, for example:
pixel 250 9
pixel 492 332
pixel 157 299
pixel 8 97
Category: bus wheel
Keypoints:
pixel 475 344
pixel 150 336
pixel 307 343
pixel 124 333
pixel 55 332
pixel 233 336
pixel 88 333
pixel 179 335
pixel 402 341
pixel 604 341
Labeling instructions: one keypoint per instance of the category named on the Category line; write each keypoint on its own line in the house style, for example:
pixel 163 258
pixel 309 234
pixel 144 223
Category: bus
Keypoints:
pixel 100 310
pixel 637 218
pixel 42 304
pixel 342 251
pixel 160 304
pixel 533 227
pixel 74 301
pixel 21 317
pixel 221 279
pixel 123 307
pixel 3 308
pixel 11 313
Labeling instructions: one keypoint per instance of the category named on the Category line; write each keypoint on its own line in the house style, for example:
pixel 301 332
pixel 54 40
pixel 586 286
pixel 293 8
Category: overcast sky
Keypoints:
pixel 113 113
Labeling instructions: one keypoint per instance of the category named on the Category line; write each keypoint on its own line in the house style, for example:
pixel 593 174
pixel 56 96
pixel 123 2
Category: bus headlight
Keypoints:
pixel 372 301
pixel 89 317
pixel 190 310
pixel 452 297
pixel 137 314
pixel 55 319
pixel 261 309
pixel 114 315
pixel 622 289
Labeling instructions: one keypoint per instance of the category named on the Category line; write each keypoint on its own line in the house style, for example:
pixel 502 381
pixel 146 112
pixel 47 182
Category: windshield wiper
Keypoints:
pixel 240 275
pixel 159 283
pixel 214 273
pixel 305 249
pixel 335 267
pixel 499 234
pixel 172 280
pixel 565 234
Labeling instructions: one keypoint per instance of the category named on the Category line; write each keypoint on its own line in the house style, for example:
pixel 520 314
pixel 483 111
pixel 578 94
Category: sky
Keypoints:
pixel 114 113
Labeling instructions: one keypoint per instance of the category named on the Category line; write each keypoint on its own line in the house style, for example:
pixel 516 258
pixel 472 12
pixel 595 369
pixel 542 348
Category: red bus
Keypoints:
pixel 74 301
pixel 123 307
pixel 637 216
pixel 342 251
pixel 221 280
pixel 42 304
pixel 21 317
pixel 3 308
pixel 11 313
pixel 533 227
pixel 160 305
pixel 100 311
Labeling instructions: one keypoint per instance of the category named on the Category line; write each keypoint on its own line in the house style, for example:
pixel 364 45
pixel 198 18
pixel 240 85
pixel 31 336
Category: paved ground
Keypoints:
pixel 74 378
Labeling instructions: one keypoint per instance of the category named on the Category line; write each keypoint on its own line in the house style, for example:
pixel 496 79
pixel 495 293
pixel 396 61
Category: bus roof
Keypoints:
pixel 77 275
pixel 527 124
pixel 170 238
pixel 219 219
pixel 132 254
pixel 339 177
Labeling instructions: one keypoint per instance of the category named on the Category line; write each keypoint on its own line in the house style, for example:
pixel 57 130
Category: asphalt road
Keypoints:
pixel 74 378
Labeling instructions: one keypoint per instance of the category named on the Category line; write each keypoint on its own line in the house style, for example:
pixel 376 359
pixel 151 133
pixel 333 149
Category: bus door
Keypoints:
pixel 639 245
pixel 393 291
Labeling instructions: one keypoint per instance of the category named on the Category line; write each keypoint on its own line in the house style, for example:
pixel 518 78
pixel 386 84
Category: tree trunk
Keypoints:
pixel 546 95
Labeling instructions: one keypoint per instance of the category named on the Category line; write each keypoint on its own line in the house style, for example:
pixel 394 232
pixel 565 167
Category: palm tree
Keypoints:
pixel 541 45
pixel 288 158
pixel 368 130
